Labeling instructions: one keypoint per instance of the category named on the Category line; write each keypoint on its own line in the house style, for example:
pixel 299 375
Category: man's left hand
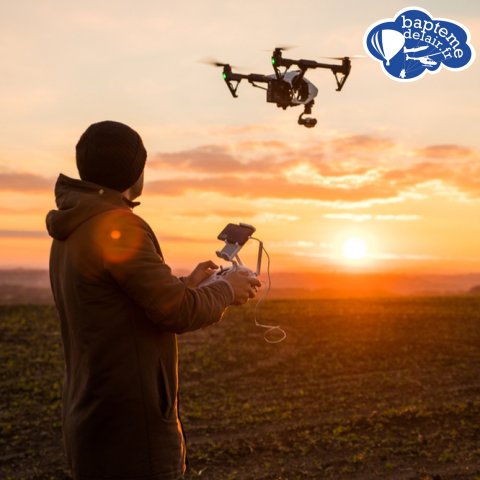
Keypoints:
pixel 202 271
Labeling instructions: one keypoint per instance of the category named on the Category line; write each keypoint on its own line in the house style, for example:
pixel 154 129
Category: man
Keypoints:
pixel 120 310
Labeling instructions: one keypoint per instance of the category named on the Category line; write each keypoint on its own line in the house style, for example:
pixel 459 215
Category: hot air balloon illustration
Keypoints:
pixel 387 43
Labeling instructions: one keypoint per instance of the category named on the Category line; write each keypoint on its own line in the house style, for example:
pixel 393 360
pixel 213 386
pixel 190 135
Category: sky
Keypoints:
pixel 386 181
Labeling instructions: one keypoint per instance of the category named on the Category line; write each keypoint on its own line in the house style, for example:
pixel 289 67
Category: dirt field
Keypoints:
pixel 360 389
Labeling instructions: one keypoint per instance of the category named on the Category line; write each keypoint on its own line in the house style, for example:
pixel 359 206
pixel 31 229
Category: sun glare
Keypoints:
pixel 354 248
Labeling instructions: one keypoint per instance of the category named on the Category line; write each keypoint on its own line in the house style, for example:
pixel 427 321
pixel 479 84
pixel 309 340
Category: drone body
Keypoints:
pixel 288 88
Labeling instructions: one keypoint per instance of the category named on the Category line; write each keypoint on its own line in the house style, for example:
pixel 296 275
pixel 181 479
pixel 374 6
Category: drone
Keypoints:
pixel 288 88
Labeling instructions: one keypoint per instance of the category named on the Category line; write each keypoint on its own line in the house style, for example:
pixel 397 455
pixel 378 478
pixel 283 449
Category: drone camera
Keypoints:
pixel 280 92
pixel 308 122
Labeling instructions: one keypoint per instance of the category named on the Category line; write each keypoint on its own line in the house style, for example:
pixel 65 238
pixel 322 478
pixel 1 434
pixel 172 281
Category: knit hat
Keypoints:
pixel 110 154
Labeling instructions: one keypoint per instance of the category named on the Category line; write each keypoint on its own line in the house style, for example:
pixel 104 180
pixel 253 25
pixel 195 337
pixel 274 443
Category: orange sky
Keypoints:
pixel 393 165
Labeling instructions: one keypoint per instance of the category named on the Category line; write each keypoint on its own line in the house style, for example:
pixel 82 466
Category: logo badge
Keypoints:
pixel 414 43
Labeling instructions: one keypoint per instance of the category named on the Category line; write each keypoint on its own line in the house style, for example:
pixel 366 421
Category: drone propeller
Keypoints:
pixel 286 47
pixel 350 57
pixel 212 61
pixel 282 48
pixel 215 63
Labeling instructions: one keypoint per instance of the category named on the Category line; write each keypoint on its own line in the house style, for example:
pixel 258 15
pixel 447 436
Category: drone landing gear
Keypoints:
pixel 308 122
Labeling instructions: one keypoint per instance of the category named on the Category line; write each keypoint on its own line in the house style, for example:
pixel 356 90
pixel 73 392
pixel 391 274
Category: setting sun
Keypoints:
pixel 354 248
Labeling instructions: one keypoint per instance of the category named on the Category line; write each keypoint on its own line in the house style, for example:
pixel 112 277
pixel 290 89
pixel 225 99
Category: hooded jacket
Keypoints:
pixel 120 309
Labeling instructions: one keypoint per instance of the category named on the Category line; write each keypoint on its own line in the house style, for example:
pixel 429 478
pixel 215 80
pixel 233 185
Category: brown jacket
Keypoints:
pixel 120 310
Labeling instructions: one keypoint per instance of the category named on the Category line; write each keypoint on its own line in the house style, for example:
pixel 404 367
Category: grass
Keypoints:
pixel 360 389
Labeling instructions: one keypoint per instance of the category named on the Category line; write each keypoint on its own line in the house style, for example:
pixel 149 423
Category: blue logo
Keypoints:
pixel 414 43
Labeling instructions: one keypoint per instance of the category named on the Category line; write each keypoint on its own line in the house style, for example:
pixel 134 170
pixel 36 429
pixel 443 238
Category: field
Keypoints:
pixel 360 389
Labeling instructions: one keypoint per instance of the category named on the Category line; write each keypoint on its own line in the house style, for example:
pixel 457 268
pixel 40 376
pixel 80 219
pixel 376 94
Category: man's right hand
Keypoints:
pixel 243 284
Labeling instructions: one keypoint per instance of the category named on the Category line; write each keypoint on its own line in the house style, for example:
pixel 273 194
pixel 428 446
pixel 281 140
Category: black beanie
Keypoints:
pixel 111 154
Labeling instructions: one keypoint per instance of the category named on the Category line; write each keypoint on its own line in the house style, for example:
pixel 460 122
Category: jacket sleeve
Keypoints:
pixel 133 259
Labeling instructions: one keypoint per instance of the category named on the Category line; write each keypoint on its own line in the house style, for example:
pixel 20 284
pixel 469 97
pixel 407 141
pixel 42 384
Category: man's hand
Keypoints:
pixel 244 286
pixel 202 271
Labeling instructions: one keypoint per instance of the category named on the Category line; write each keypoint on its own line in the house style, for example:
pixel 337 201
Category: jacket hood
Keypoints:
pixel 77 202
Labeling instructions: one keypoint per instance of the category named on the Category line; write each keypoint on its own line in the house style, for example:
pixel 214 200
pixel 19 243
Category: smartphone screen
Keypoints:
pixel 236 233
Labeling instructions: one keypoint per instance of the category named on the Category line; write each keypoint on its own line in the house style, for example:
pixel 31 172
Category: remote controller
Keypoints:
pixel 215 277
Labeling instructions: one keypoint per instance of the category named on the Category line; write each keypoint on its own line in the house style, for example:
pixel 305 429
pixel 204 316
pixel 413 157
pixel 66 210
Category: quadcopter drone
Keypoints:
pixel 288 88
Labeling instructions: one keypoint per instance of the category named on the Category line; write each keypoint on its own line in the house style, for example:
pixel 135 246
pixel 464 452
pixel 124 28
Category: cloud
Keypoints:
pixel 361 143
pixel 298 244
pixel 363 217
pixel 261 145
pixel 335 157
pixel 23 234
pixel 22 211
pixel 372 256
pixel 354 169
pixel 25 182
pixel 183 239
pixel 352 172
pixel 440 178
pixel 218 213
pixel 246 158
pixel 265 217
pixel 448 151
pixel 402 256
pixel 241 129
pixel 207 158
pixel 268 188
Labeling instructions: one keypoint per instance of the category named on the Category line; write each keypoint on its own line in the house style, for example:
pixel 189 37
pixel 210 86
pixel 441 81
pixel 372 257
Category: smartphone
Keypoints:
pixel 236 234
pixel 235 237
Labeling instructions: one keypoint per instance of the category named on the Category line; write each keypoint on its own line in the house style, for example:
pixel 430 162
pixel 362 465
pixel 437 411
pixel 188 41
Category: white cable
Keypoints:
pixel 270 328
